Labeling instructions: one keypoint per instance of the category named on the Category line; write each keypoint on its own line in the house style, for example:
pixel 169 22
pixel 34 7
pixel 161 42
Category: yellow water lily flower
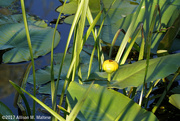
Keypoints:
pixel 110 66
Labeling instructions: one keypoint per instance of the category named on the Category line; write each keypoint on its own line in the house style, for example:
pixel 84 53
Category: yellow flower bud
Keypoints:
pixel 110 66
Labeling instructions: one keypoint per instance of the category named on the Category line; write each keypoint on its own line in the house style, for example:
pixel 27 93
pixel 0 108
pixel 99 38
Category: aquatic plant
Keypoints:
pixel 80 74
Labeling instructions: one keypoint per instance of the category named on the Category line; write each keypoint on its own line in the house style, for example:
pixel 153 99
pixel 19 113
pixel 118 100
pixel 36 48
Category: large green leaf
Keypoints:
pixel 132 75
pixel 106 105
pixel 13 38
pixel 174 100
pixel 79 105
pixel 6 112
pixel 120 9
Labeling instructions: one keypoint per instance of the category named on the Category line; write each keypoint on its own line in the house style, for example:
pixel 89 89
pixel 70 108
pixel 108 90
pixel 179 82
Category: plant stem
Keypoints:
pixel 54 87
pixel 130 92
pixel 152 88
pixel 109 77
pixel 30 49
pixel 141 96
pixel 165 91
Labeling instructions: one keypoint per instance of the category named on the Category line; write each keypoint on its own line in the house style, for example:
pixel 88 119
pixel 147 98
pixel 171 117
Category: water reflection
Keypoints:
pixel 43 8
pixel 13 72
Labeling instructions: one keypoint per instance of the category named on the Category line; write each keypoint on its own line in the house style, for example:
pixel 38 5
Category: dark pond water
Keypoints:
pixel 45 9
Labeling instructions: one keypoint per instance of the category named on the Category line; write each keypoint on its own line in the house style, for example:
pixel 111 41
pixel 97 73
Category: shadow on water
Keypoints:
pixel 45 9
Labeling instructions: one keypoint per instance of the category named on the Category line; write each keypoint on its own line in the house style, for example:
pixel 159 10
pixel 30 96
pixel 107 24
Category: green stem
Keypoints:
pixel 30 49
pixel 141 96
pixel 54 87
pixel 147 95
pixel 109 77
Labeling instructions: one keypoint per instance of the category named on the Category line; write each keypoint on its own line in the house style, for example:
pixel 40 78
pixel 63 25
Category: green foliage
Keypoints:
pixel 13 38
pixel 24 99
pixel 132 75
pixel 167 41
pixel 106 104
pixel 174 100
pixel 43 76
pixel 79 104
pixel 5 111
pixel 38 101
pixel 169 11
pixel 83 63
pixel 120 9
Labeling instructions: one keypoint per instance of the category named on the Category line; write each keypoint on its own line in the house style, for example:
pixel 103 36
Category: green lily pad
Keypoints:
pixel 13 38
pixel 43 76
pixel 174 100
pixel 106 105
pixel 46 89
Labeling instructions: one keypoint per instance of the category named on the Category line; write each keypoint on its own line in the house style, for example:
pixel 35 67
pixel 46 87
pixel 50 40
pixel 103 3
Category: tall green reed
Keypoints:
pixel 76 19
pixel 30 50
pixel 53 87
pixel 19 89
pixel 148 50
